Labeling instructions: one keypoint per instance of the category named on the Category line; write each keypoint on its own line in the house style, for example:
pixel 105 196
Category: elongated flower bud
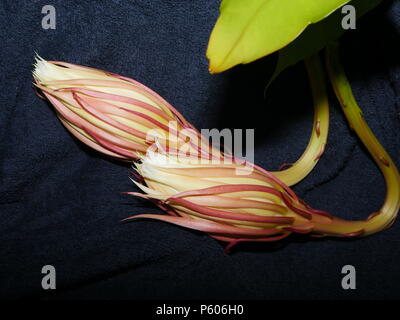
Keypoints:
pixel 113 114
pixel 226 203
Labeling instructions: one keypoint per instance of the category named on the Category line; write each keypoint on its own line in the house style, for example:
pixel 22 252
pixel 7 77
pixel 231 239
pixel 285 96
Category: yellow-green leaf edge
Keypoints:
pixel 247 30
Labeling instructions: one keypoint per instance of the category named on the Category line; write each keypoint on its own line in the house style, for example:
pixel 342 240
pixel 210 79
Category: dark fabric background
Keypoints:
pixel 60 203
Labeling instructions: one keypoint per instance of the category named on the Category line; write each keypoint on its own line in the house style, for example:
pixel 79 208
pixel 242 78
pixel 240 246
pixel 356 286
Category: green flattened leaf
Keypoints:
pixel 317 36
pixel 247 30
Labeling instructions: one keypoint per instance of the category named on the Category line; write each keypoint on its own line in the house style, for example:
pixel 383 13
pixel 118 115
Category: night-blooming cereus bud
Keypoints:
pixel 112 114
pixel 229 205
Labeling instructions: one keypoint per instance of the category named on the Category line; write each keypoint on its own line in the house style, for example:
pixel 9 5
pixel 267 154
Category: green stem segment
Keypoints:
pixel 388 212
pixel 316 146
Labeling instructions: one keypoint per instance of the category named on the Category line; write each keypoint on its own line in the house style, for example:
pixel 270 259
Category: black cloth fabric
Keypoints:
pixel 61 203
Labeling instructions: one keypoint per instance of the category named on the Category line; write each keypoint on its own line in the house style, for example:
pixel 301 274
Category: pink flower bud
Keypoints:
pixel 228 201
pixel 110 113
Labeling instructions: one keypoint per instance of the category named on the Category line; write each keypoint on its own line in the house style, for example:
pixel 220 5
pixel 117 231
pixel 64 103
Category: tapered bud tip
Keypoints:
pixel 46 71
pixel 41 68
